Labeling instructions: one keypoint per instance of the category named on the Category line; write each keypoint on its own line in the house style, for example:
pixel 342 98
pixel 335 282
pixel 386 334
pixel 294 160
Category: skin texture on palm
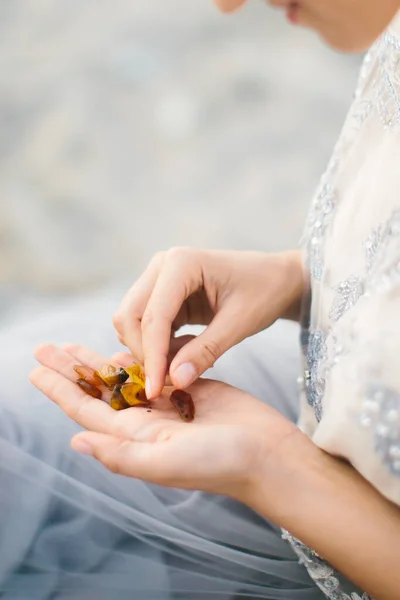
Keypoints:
pixel 237 446
pixel 219 452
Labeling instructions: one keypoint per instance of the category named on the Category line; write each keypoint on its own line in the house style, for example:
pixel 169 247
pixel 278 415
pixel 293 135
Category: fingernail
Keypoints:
pixel 185 374
pixel 148 388
pixel 82 447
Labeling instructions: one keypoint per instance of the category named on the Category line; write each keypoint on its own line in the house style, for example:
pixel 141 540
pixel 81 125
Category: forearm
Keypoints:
pixel 327 505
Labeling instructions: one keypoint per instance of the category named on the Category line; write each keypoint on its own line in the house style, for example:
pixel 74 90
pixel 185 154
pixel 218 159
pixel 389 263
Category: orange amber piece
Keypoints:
pixel 88 374
pixel 89 388
pixel 112 376
pixel 183 403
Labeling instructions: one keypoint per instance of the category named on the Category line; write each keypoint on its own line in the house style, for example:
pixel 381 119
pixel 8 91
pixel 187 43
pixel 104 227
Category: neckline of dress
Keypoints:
pixel 394 27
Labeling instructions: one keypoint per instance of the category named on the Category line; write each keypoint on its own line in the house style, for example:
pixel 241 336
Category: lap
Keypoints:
pixel 74 526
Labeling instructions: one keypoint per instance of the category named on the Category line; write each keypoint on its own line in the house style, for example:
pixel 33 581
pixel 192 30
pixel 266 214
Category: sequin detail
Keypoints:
pixel 379 83
pixel 381 415
pixel 377 93
pixel 324 576
pixel 319 218
pixel 348 293
pixel 388 101
pixel 313 380
pixel 384 273
pixel 371 247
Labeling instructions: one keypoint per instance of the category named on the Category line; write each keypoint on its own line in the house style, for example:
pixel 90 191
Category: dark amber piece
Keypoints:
pixel 89 388
pixel 112 376
pixel 183 403
pixel 88 374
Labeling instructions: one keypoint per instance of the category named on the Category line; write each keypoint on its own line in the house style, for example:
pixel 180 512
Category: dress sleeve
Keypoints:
pixel 361 419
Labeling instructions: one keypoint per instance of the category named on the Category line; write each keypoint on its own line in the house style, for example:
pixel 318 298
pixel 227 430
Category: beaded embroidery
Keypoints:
pixel 377 94
pixel 381 74
pixel 381 68
pixel 381 415
pixel 371 247
pixel 314 382
pixel 320 572
pixel 319 218
pixel 385 270
pixel 348 293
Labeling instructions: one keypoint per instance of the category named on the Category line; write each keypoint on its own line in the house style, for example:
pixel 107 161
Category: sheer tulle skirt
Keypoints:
pixel 70 529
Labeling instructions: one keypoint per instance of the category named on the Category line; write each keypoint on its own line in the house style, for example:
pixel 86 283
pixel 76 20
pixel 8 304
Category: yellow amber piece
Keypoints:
pixel 133 394
pixel 117 400
pixel 136 374
pixel 111 376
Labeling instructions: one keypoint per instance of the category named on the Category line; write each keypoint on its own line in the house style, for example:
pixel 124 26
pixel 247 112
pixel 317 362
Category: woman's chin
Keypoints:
pixel 228 6
pixel 350 44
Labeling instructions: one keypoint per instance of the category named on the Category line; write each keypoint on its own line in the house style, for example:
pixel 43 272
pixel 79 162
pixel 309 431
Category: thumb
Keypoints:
pixel 195 357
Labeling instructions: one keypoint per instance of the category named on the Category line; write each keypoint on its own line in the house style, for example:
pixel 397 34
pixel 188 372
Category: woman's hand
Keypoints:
pixel 232 438
pixel 236 294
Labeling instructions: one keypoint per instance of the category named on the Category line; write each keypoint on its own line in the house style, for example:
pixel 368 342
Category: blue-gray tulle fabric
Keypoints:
pixel 70 529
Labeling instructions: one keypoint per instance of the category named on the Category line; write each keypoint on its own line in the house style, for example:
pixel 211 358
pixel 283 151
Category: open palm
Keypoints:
pixel 216 452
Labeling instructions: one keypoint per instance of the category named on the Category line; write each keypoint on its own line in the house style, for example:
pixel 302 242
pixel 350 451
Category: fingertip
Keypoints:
pixel 153 388
pixel 82 445
pixel 148 388
pixel 42 348
pixel 184 375
pixel 71 348
pixel 37 373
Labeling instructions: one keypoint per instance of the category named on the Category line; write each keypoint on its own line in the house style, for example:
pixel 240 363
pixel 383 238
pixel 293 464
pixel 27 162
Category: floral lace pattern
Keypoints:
pixel 319 218
pixel 371 247
pixel 313 380
pixel 384 273
pixel 381 415
pixel 381 72
pixel 377 95
pixel 348 293
pixel 382 68
pixel 321 573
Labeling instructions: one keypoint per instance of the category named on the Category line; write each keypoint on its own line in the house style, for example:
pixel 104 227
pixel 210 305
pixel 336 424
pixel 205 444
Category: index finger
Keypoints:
pixel 178 280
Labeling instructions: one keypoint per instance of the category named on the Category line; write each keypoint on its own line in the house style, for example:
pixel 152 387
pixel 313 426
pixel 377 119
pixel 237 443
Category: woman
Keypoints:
pixel 333 482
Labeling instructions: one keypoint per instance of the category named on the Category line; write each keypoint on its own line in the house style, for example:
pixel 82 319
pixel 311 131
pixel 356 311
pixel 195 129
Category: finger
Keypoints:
pixel 63 362
pixel 141 460
pixel 127 319
pixel 85 410
pixel 85 356
pixel 124 359
pixel 200 354
pixel 181 276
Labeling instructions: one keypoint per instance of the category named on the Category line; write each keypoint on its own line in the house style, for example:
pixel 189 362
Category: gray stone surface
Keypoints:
pixel 134 125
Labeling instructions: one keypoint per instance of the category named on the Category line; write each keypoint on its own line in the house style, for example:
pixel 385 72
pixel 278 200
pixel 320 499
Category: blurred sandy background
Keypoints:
pixel 130 126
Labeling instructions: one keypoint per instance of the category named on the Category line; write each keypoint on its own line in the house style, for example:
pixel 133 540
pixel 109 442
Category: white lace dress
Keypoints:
pixel 350 388
pixel 70 529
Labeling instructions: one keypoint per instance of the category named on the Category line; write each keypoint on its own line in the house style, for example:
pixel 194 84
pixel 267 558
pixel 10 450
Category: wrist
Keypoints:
pixel 324 502
pixel 282 476
pixel 294 277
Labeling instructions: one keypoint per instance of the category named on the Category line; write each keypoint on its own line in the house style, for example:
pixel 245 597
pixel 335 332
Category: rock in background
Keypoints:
pixel 130 126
